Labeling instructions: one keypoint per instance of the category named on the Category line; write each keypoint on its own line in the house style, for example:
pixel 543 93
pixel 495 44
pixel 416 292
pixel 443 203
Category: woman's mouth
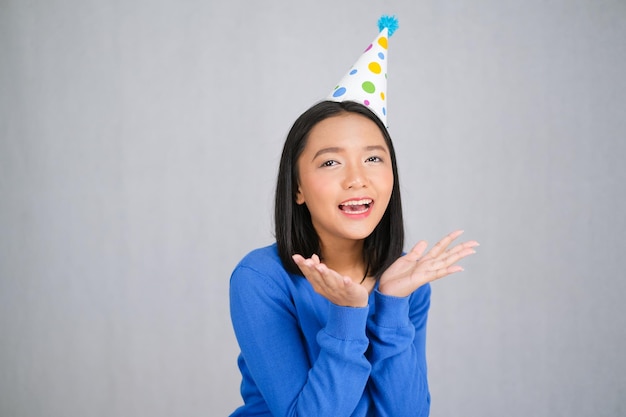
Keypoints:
pixel 356 206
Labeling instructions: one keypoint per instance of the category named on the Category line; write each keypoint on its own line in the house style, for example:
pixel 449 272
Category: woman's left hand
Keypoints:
pixel 413 270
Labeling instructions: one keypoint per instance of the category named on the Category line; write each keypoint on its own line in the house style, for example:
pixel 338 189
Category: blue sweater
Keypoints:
pixel 304 356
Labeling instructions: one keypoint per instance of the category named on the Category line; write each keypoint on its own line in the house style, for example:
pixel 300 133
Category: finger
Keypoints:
pixel 416 252
pixel 302 261
pixel 444 243
pixel 451 259
pixel 442 272
pixel 307 267
pixel 460 247
pixel 330 278
pixel 322 269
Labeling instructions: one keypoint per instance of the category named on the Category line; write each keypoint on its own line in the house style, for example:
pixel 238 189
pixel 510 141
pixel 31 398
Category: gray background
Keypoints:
pixel 139 142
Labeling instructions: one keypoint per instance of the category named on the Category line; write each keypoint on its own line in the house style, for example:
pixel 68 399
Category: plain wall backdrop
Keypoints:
pixel 139 143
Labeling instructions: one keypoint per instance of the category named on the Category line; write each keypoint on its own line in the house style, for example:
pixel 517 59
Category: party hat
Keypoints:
pixel 366 82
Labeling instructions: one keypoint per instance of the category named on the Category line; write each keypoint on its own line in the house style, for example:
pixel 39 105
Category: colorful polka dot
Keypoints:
pixel 384 111
pixel 354 71
pixel 339 92
pixel 368 48
pixel 381 55
pixel 366 102
pixel 382 95
pixel 382 41
pixel 374 67
pixel 368 87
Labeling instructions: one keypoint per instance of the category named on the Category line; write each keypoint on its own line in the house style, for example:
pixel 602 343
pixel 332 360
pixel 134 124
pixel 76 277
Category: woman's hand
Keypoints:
pixel 413 270
pixel 338 289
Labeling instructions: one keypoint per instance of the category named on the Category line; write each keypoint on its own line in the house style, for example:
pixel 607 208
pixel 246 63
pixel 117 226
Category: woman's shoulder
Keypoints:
pixel 260 274
pixel 262 258
pixel 262 261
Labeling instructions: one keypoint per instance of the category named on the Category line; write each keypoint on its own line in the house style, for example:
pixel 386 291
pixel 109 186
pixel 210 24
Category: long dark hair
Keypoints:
pixel 294 229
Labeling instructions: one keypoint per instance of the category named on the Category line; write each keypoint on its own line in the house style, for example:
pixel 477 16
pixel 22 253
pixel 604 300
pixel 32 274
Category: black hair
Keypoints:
pixel 294 229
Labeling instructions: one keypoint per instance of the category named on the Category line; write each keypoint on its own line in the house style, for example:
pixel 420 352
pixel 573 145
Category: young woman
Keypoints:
pixel 331 319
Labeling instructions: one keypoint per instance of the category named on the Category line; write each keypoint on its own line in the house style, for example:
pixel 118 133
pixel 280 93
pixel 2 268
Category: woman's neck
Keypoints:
pixel 345 257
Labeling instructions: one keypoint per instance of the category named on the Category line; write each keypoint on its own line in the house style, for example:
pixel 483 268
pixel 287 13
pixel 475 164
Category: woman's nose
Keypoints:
pixel 354 179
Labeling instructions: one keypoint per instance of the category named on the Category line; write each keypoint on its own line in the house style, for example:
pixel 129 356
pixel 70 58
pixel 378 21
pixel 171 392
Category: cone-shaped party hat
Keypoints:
pixel 366 82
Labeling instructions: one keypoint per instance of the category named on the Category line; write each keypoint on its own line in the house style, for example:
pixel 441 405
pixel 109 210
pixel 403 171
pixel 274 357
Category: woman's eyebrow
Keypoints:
pixel 375 148
pixel 337 149
pixel 333 149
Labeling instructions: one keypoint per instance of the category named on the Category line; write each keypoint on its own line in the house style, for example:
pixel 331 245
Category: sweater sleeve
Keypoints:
pixel 397 332
pixel 265 321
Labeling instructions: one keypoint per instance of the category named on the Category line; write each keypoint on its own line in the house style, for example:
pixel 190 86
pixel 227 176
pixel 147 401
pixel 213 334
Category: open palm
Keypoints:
pixel 337 288
pixel 413 270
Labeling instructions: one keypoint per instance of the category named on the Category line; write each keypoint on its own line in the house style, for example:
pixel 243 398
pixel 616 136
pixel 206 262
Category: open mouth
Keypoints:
pixel 356 206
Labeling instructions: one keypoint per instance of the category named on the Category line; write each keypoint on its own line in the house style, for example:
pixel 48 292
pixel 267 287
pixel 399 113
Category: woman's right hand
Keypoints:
pixel 338 289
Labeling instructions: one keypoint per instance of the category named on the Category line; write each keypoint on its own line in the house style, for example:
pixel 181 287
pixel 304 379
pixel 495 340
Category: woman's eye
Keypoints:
pixel 329 163
pixel 373 159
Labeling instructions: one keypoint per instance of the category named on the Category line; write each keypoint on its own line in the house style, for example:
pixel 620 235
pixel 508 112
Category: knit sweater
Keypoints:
pixel 301 355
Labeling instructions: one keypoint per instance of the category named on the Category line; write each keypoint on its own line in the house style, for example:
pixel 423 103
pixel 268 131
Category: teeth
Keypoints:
pixel 357 202
pixel 358 211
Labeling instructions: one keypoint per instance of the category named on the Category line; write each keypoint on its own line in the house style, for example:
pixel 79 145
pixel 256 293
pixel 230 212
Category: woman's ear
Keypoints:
pixel 299 197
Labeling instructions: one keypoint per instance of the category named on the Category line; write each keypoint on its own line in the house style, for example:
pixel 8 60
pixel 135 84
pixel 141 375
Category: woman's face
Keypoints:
pixel 345 177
